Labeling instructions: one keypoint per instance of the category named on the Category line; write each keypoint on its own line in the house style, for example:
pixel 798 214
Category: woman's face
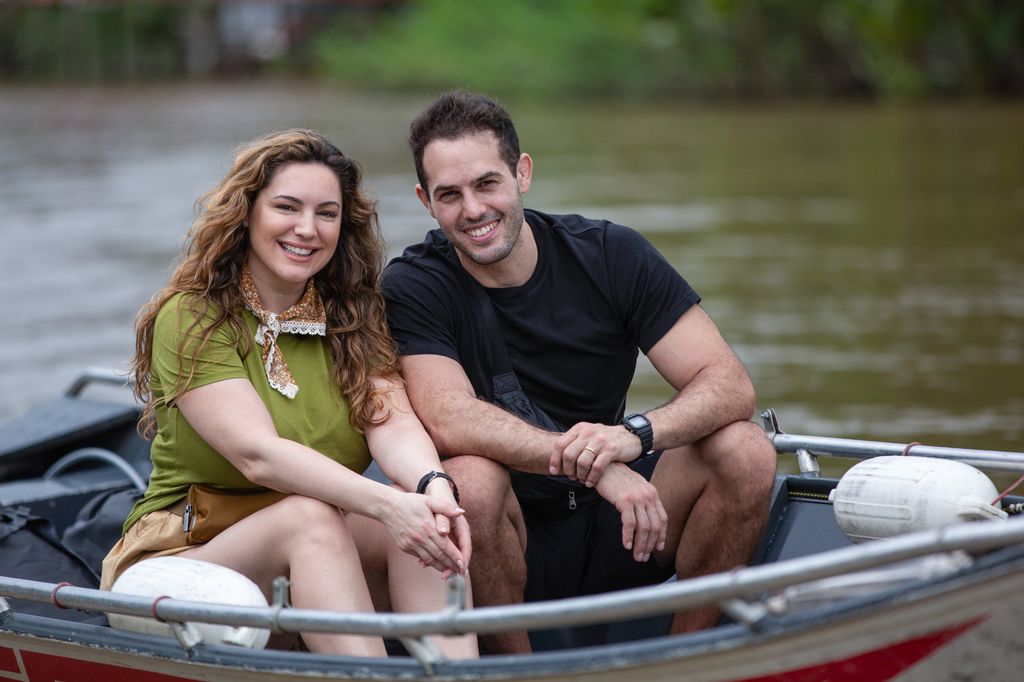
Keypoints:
pixel 294 226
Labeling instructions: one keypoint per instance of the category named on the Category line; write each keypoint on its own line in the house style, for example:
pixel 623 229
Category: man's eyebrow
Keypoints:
pixel 481 178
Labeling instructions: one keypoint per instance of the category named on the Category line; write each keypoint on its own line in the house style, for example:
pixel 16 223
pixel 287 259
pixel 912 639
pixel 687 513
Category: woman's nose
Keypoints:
pixel 305 224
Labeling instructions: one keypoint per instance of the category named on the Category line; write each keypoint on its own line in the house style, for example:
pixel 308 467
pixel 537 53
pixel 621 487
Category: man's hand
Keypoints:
pixel 644 521
pixel 584 452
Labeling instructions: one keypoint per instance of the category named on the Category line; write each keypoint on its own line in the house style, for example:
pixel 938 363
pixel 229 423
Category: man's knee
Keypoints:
pixel 486 494
pixel 742 458
pixel 483 483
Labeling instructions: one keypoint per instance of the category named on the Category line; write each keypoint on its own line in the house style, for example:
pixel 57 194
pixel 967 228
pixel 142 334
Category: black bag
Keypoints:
pixel 508 393
pixel 99 526
pixel 31 550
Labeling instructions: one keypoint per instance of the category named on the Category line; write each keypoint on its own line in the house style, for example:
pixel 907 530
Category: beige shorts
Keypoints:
pixel 156 534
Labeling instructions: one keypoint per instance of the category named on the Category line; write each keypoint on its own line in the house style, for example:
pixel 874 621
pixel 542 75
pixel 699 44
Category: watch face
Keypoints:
pixel 637 421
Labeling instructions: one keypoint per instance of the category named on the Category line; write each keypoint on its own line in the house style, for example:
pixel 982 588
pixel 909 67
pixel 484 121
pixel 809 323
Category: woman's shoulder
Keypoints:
pixel 187 310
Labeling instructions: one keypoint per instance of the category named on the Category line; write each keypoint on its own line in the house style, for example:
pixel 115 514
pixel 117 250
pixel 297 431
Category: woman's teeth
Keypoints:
pixel 296 250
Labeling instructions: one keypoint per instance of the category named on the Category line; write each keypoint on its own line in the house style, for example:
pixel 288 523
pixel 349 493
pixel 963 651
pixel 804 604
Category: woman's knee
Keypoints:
pixel 308 520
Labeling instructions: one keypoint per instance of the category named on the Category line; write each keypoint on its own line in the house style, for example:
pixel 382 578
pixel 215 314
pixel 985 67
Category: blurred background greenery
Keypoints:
pixel 643 49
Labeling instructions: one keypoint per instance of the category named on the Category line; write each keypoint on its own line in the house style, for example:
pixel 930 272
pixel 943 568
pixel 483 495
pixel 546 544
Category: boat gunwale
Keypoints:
pixel 611 606
pixel 608 657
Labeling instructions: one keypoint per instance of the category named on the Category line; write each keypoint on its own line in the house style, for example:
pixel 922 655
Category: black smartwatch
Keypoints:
pixel 641 426
pixel 430 476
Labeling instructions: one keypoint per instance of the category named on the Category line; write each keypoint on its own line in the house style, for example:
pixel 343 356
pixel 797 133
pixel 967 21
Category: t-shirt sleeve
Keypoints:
pixel 176 330
pixel 651 294
pixel 421 315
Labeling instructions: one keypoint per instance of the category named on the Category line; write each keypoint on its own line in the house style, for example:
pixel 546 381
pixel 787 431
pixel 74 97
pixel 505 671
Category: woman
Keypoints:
pixel 266 362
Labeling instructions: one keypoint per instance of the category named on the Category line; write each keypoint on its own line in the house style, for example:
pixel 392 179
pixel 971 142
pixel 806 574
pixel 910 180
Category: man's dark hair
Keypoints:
pixel 457 113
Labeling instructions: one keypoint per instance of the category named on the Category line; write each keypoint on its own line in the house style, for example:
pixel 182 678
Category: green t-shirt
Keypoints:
pixel 317 416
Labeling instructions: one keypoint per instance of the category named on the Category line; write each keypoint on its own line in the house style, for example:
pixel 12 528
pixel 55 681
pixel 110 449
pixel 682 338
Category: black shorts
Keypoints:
pixel 571 552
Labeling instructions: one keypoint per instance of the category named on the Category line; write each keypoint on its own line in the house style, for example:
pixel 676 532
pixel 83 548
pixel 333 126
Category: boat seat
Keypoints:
pixel 30 444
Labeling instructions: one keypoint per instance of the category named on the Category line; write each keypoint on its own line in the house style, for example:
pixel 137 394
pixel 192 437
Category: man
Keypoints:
pixel 513 324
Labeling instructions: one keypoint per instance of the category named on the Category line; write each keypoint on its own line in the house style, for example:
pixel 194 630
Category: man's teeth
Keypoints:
pixel 481 231
pixel 296 250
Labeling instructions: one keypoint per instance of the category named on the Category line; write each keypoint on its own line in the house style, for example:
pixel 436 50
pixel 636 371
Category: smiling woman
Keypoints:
pixel 287 251
pixel 293 231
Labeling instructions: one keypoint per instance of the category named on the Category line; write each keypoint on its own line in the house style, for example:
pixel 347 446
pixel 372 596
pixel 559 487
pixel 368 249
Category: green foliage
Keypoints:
pixel 736 48
pixel 532 46
pixel 91 42
pixel 623 48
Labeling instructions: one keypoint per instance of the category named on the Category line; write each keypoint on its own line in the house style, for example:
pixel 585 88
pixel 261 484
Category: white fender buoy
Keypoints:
pixel 886 496
pixel 192 580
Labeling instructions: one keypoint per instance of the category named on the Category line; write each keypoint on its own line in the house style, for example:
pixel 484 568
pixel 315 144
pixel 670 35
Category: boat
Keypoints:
pixel 934 603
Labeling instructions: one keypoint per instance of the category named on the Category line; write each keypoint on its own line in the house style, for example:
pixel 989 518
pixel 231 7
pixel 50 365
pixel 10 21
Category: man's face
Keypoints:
pixel 474 196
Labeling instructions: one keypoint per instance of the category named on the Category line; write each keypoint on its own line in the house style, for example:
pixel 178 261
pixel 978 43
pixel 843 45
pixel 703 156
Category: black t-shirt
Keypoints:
pixel 600 291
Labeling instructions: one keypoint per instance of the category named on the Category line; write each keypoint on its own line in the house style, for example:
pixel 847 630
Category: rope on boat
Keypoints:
pixel 53 594
pixel 906 452
pixel 1010 489
pixel 152 609
pixel 808 495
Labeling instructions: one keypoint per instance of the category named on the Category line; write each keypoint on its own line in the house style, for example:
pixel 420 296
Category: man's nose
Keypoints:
pixel 472 206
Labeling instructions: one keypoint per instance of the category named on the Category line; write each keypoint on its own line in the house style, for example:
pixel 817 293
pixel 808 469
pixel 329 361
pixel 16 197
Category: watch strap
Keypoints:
pixel 645 433
pixel 430 476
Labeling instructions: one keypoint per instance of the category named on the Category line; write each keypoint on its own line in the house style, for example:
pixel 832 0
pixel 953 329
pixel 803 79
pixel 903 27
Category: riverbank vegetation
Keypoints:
pixel 641 48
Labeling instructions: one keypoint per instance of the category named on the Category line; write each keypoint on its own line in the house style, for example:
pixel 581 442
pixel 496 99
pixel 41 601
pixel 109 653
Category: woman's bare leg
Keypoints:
pixel 398 582
pixel 310 542
pixel 416 589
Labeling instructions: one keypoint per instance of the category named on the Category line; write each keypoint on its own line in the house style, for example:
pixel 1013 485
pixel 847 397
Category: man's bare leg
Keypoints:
pixel 498 566
pixel 716 495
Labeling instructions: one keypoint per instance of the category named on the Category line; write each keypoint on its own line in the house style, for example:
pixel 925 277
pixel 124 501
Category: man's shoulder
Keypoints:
pixel 428 270
pixel 573 226
pixel 570 224
pixel 435 254
pixel 591 239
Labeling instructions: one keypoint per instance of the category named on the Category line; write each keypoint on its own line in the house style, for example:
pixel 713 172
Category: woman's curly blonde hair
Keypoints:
pixel 210 270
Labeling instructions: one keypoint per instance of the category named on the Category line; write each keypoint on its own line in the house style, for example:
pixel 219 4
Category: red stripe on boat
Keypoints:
pixel 9 661
pixel 878 665
pixel 47 668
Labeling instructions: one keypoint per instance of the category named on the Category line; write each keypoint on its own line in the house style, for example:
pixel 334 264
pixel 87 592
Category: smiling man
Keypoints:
pixel 519 334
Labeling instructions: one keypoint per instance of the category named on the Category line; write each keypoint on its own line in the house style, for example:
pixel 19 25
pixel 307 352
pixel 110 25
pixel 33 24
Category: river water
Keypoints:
pixel 866 262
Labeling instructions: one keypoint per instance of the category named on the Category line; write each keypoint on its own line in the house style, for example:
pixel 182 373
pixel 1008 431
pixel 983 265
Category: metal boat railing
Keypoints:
pixel 720 588
pixel 807 448
pixel 99 375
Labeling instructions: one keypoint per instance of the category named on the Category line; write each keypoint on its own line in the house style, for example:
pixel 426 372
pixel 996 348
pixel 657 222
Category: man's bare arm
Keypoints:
pixel 460 423
pixel 713 390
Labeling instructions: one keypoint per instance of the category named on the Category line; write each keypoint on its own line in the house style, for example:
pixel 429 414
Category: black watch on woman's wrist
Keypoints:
pixel 641 426
pixel 430 476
